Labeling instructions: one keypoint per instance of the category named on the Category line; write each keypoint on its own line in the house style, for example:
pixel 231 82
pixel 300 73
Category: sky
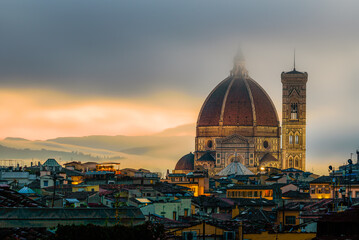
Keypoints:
pixel 76 68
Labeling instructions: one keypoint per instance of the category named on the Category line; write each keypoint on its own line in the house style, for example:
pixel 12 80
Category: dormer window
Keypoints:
pixel 294 111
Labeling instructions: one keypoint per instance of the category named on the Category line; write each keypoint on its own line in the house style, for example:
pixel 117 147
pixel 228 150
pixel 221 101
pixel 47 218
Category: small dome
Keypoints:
pixel 186 162
pixel 26 190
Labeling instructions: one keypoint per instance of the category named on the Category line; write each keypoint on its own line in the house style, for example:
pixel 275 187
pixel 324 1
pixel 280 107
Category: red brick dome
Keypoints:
pixel 238 101
pixel 186 162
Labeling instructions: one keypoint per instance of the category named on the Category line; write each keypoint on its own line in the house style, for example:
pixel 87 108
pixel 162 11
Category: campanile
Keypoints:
pixel 294 85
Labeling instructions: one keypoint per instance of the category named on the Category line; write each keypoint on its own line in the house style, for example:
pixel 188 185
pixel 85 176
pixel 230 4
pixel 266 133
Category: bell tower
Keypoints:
pixel 294 119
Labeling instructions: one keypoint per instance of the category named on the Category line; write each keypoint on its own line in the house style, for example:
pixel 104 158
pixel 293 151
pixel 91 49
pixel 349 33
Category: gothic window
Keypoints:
pixel 296 139
pixel 290 139
pixel 265 144
pixel 296 162
pixel 290 162
pixel 294 111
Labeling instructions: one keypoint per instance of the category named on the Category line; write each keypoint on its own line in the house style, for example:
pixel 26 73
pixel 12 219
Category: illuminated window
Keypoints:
pixel 186 212
pixel 294 111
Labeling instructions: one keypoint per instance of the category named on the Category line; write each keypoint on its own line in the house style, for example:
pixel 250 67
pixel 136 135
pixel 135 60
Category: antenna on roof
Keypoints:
pixel 294 59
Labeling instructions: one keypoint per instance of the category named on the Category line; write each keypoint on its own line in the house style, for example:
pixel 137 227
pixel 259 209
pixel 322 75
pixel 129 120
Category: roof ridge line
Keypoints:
pixel 225 101
pixel 249 90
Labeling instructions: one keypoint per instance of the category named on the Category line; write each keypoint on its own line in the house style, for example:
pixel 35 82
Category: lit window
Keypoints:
pixel 290 139
pixel 294 111
pixel 296 139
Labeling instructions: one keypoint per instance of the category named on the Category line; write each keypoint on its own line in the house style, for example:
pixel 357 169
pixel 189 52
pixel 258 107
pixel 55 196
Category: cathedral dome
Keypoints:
pixel 238 101
pixel 186 162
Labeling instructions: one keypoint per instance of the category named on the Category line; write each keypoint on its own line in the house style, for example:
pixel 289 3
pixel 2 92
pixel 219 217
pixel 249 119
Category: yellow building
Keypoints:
pixel 86 188
pixel 250 191
pixel 198 182
pixel 213 231
pixel 328 187
pixel 109 167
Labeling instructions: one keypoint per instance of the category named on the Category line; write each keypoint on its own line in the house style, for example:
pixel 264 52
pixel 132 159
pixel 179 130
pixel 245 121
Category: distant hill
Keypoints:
pixel 157 152
pixel 14 153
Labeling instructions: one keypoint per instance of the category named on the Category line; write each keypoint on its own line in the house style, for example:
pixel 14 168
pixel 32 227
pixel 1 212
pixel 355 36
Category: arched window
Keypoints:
pixel 209 144
pixel 290 162
pixel 296 162
pixel 296 139
pixel 290 139
pixel 294 111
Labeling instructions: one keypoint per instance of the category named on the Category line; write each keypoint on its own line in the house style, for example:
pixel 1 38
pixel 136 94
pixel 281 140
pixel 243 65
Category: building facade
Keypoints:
pixel 239 122
pixel 294 119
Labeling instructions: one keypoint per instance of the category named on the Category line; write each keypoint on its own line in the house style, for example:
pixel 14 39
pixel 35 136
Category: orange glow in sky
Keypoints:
pixel 42 114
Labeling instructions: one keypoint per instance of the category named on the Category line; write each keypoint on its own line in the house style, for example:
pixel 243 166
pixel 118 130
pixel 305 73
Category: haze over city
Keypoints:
pixel 73 69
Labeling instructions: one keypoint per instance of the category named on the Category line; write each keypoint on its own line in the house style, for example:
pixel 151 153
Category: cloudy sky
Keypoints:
pixel 75 68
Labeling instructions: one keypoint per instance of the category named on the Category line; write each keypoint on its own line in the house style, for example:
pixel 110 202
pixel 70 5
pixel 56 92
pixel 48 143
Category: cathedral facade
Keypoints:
pixel 239 122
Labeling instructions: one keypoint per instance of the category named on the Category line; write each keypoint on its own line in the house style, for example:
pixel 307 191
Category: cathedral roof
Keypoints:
pixel 238 101
pixel 235 168
pixel 267 158
pixel 207 157
pixel 186 162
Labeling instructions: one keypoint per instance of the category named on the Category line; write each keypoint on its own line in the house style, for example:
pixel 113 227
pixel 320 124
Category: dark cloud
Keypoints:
pixel 136 46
